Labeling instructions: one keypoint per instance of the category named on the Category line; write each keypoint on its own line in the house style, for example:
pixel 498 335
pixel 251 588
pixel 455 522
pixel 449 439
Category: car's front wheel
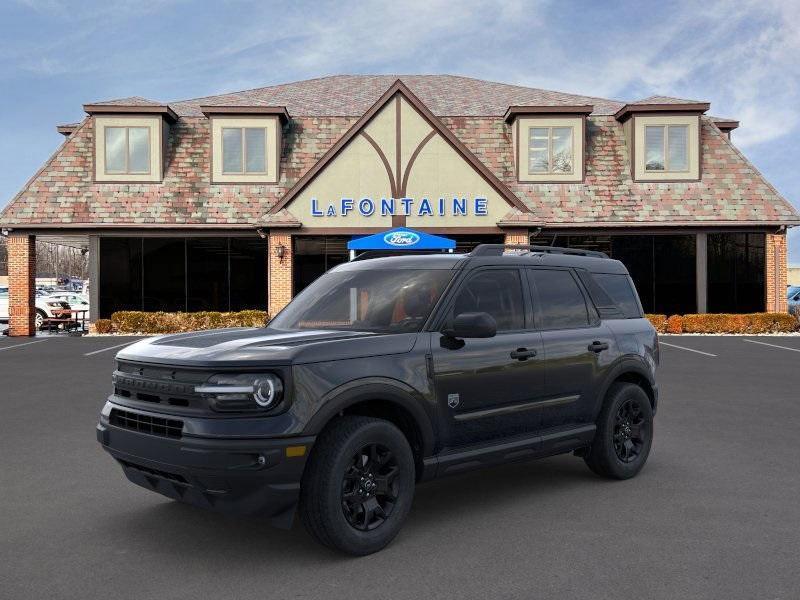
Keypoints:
pixel 358 486
pixel 39 318
pixel 624 433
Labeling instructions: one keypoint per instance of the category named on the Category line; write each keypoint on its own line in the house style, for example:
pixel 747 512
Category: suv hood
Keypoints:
pixel 239 347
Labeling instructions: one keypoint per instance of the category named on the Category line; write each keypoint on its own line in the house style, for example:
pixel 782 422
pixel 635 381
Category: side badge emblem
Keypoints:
pixel 453 400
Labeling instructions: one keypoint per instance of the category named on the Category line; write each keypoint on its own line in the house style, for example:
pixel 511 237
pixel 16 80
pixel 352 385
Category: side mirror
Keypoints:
pixel 472 325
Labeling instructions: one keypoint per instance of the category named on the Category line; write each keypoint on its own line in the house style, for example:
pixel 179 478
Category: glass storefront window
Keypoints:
pixel 736 272
pixel 180 274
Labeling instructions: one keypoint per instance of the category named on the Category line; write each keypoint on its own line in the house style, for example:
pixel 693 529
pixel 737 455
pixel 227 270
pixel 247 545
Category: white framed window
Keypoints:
pixel 127 150
pixel 550 150
pixel 666 148
pixel 244 150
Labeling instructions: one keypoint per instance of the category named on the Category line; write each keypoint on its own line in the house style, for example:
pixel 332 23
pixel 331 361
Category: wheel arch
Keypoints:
pixel 630 371
pixel 388 399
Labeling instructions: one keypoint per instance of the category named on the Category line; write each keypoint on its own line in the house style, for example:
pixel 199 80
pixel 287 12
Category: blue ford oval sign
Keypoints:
pixel 401 239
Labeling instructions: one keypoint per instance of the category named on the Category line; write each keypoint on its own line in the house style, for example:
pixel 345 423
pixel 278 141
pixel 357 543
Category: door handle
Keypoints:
pixel 598 346
pixel 523 353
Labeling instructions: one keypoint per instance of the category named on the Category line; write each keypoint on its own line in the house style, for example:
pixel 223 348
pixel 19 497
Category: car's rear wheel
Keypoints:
pixel 624 433
pixel 358 486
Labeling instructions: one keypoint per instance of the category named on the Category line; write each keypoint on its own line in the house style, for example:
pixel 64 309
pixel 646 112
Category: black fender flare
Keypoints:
pixel 375 388
pixel 626 364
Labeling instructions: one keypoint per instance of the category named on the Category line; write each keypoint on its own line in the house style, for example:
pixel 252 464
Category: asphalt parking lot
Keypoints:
pixel 715 514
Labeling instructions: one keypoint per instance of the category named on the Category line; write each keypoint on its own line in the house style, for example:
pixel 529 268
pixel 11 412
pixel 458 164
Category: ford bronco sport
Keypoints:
pixel 385 372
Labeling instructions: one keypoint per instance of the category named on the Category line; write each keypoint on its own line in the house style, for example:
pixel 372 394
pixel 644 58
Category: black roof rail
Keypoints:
pixel 368 254
pixel 499 249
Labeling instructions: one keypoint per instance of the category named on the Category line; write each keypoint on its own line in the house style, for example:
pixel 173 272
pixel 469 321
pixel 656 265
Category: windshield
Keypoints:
pixel 381 301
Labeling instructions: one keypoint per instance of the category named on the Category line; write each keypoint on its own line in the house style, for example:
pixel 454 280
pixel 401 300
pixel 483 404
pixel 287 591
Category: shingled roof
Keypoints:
pixel 731 191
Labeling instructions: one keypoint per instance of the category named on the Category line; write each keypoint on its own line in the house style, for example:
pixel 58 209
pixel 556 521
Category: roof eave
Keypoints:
pixel 279 111
pixel 576 109
pixel 131 109
pixel 629 109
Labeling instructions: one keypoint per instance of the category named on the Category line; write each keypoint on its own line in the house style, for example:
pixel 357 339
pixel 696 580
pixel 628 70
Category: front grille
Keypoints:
pixel 162 386
pixel 169 428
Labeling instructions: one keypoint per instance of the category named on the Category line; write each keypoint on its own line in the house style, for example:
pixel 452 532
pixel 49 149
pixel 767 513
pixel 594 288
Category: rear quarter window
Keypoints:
pixel 621 291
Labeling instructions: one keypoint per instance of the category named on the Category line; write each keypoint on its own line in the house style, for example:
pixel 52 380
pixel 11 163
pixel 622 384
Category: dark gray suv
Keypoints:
pixel 386 372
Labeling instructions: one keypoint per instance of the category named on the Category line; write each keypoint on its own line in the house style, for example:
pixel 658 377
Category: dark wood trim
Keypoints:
pixel 630 109
pixel 515 111
pixel 412 159
pixel 725 124
pixel 399 87
pixel 683 228
pixel 131 109
pixel 346 231
pixel 398 146
pixel 398 220
pixel 67 130
pixel 275 111
pixel 384 160
pixel 516 149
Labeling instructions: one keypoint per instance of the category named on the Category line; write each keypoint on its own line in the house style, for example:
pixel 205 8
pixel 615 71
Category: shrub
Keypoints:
pixel 131 321
pixel 103 326
pixel 675 324
pixel 746 323
pixel 659 322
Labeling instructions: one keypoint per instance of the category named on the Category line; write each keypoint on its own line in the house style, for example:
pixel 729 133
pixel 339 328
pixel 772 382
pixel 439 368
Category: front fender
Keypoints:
pixel 375 388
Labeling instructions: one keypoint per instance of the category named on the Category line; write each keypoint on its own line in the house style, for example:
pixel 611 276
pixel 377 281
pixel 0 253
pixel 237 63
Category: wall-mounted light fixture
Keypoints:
pixel 5 231
pixel 261 233
pixel 280 252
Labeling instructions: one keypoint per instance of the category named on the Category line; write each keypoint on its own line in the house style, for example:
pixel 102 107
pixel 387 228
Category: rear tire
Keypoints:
pixel 624 433
pixel 358 486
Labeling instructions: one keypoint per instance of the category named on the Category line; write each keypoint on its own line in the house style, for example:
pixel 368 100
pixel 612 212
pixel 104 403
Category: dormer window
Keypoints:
pixel 245 143
pixel 548 142
pixel 666 148
pixel 127 150
pixel 244 150
pixel 550 150
pixel 129 140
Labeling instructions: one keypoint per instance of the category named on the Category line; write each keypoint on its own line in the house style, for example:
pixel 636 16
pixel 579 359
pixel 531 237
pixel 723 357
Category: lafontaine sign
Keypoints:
pixel 422 207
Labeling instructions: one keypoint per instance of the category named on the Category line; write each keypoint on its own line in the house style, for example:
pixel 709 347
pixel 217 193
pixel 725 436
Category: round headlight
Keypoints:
pixel 264 392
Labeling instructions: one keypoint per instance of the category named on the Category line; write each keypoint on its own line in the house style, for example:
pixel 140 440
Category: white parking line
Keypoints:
pixel 687 349
pixel 20 345
pixel 771 345
pixel 110 348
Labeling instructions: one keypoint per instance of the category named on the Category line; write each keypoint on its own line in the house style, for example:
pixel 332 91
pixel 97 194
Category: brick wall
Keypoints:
pixel 280 271
pixel 21 284
pixel 776 273
pixel 517 236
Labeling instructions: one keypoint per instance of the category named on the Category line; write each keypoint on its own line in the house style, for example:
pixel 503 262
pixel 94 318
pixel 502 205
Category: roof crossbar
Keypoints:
pixel 499 249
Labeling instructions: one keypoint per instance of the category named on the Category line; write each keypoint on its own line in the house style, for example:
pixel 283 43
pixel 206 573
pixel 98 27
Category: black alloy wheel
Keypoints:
pixel 628 431
pixel 624 433
pixel 370 487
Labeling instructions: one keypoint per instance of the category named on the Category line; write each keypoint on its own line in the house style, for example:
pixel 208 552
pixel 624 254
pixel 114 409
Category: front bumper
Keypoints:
pixel 240 476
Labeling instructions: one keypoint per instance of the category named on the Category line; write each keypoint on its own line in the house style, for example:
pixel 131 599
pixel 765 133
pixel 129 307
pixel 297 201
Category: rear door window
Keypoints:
pixel 497 292
pixel 561 304
pixel 620 289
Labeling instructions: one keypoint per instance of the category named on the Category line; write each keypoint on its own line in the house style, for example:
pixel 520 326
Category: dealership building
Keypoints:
pixel 240 200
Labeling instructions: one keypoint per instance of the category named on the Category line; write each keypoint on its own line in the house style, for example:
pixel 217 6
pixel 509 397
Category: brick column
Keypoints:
pixel 517 236
pixel 21 284
pixel 280 271
pixel 775 273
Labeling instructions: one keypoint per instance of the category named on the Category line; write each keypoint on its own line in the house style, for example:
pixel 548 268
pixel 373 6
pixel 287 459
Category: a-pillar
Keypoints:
pixel 776 273
pixel 21 284
pixel 279 259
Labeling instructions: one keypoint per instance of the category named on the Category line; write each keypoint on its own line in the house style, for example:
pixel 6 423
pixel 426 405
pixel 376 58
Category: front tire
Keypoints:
pixel 624 433
pixel 39 318
pixel 358 486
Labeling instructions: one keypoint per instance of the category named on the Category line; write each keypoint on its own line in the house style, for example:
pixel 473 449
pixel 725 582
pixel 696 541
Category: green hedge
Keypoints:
pixel 133 321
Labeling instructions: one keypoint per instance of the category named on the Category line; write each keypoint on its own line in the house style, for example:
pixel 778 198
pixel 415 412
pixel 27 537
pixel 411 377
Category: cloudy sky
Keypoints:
pixel 742 56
